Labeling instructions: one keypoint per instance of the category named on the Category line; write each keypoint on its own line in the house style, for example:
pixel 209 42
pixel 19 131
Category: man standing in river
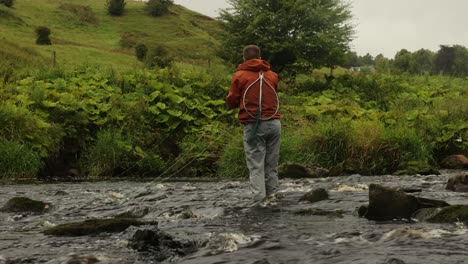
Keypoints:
pixel 254 91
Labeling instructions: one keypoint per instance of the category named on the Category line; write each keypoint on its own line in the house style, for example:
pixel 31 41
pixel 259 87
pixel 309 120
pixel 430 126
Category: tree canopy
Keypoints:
pixel 293 34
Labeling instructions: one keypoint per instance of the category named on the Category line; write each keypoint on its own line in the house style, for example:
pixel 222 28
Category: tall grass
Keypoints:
pixel 18 161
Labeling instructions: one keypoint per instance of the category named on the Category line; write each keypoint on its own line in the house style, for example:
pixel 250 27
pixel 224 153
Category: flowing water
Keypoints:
pixel 227 230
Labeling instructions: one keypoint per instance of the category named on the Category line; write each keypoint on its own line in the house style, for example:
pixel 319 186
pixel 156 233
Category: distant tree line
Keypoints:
pixel 448 60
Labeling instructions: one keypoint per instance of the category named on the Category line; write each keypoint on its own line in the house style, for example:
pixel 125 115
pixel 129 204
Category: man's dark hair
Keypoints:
pixel 251 52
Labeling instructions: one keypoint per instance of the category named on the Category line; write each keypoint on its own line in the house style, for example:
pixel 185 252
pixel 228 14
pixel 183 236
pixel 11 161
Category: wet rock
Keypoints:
pixel 319 212
pixel 450 214
pixel 134 212
pixel 458 183
pixel 455 162
pixel 160 245
pixel 389 204
pixel 417 167
pixel 154 198
pixel 260 261
pixel 410 190
pixel 60 193
pixel 24 204
pixel 315 195
pixel 95 226
pixel 75 259
pixel 187 214
pixel 394 261
pixel 295 171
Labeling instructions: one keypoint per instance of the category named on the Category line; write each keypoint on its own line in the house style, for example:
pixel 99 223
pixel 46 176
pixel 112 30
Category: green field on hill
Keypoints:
pixel 83 33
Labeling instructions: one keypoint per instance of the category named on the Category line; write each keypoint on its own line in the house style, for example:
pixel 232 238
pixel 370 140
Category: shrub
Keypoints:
pixel 159 57
pixel 140 51
pixel 158 7
pixel 115 7
pixel 84 13
pixel 17 160
pixel 43 36
pixel 110 151
pixel 8 3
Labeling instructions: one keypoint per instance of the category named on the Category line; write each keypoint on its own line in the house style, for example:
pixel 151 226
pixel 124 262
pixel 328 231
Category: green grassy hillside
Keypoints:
pixel 83 33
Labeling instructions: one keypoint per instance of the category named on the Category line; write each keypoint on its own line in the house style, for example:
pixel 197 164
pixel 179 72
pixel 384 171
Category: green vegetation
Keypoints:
pixel 115 7
pixel 126 100
pixel 43 36
pixel 295 35
pixel 84 34
pixel 158 7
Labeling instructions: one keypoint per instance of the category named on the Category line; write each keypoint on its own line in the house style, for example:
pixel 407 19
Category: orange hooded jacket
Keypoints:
pixel 247 73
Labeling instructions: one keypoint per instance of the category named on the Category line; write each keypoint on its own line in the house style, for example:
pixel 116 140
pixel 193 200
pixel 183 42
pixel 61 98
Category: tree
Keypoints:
pixel 402 60
pixel 452 60
pixel 158 7
pixel 422 61
pixel 382 64
pixel 295 34
pixel 366 60
pixel 115 7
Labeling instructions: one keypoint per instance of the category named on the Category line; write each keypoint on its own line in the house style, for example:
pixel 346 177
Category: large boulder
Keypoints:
pixel 315 195
pixel 297 171
pixel 25 205
pixel 458 183
pixel 95 226
pixel 455 162
pixel 389 204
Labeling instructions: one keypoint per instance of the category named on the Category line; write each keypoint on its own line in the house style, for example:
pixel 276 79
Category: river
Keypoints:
pixel 227 230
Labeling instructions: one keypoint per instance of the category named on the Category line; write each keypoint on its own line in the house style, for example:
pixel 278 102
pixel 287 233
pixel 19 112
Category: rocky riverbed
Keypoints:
pixel 215 219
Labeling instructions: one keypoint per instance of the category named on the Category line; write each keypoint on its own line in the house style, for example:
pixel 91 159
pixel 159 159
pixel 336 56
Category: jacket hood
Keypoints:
pixel 254 65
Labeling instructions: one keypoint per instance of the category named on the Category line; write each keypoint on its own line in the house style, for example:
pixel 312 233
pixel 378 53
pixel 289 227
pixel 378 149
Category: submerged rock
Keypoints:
pixel 455 162
pixel 295 171
pixel 315 195
pixel 134 212
pixel 24 204
pixel 95 226
pixel 458 183
pixel 389 204
pixel 160 245
pixel 319 212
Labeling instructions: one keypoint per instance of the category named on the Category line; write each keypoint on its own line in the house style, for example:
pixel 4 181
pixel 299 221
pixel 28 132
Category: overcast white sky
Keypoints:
pixel 386 26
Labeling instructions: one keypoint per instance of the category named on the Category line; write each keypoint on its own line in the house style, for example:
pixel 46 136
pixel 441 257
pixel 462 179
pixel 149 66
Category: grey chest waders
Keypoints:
pixel 258 115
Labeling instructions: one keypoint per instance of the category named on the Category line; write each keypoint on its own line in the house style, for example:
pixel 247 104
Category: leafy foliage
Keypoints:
pixel 300 33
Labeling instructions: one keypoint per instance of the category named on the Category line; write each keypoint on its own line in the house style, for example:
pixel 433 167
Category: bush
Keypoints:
pixel 159 57
pixel 115 7
pixel 17 160
pixel 8 3
pixel 43 36
pixel 110 152
pixel 84 13
pixel 140 51
pixel 158 7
